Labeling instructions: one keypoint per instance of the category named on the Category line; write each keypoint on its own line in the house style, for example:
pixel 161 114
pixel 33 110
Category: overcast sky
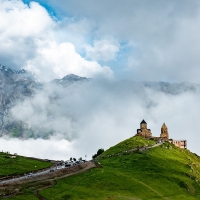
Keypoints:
pixel 156 40
pixel 142 40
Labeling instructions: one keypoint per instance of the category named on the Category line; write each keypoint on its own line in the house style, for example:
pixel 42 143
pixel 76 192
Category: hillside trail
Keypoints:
pixel 75 184
pixel 148 147
pixel 144 184
pixel 54 182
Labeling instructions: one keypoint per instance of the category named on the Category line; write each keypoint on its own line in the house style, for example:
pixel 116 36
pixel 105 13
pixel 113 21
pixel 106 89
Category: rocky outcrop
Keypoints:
pixel 15 86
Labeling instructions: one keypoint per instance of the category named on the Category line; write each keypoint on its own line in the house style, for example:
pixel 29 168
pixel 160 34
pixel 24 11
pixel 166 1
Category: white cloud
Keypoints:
pixel 46 149
pixel 62 59
pixel 29 40
pixel 166 34
pixel 104 50
pixel 19 20
pixel 100 114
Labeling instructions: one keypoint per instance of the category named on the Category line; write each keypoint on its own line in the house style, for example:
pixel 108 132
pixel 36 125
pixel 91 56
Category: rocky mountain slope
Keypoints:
pixel 15 86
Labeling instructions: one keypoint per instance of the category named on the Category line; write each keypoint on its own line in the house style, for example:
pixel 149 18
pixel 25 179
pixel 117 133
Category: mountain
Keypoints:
pixel 174 88
pixel 136 169
pixel 19 86
pixel 69 79
pixel 165 87
pixel 15 86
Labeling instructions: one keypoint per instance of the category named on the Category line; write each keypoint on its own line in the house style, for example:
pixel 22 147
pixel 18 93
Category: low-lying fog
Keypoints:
pixel 98 114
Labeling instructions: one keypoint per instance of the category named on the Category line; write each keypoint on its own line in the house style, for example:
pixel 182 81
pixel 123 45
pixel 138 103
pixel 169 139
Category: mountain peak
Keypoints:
pixel 70 78
pixel 8 70
pixel 73 77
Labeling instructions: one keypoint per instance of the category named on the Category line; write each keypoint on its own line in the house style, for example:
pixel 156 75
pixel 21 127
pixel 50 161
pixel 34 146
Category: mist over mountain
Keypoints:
pixel 15 86
pixel 80 109
pixel 39 110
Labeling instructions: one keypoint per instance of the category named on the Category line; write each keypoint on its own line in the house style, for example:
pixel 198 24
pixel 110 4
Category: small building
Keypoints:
pixel 143 131
pixel 179 143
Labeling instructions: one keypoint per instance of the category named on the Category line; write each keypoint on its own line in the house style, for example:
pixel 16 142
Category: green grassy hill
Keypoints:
pixel 19 165
pixel 163 172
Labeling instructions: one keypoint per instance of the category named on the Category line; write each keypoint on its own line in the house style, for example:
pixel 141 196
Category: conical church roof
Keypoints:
pixel 143 122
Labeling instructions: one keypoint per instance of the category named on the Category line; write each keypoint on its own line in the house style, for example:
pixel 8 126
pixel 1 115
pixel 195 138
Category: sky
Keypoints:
pixel 139 40
pixel 157 40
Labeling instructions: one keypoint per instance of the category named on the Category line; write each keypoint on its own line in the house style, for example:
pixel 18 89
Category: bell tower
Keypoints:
pixel 143 125
pixel 164 132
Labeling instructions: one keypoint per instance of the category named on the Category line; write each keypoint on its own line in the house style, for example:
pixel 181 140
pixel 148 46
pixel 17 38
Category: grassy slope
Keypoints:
pixel 128 144
pixel 19 165
pixel 163 172
pixel 24 197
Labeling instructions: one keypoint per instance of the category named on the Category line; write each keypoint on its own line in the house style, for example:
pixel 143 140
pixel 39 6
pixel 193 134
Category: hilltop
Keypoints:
pixel 161 172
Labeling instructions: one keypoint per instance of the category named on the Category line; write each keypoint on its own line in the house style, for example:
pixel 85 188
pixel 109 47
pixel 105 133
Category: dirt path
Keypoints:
pixel 50 175
pixel 54 181
pixel 49 180
pixel 37 190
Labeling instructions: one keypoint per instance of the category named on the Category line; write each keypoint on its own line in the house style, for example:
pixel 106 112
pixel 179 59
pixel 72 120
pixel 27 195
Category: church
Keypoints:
pixel 164 135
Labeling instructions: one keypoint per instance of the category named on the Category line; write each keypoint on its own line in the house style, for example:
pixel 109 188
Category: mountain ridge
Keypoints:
pixel 17 86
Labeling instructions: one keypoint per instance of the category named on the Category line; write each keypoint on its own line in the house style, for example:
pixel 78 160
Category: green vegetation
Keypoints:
pixel 163 172
pixel 99 152
pixel 19 165
pixel 131 143
pixel 24 197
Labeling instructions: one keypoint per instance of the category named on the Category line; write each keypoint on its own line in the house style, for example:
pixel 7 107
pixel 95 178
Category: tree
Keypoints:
pixel 71 159
pixel 94 156
pixel 74 159
pixel 100 151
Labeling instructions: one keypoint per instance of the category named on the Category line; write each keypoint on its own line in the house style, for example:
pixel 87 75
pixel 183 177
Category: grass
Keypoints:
pixel 163 172
pixel 24 197
pixel 19 165
pixel 131 143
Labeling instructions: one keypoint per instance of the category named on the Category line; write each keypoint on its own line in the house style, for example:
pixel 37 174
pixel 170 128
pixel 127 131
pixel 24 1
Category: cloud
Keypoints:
pixel 29 40
pixel 163 44
pixel 99 114
pixel 102 50
pixel 62 59
pixel 165 35
pixel 162 38
pixel 46 149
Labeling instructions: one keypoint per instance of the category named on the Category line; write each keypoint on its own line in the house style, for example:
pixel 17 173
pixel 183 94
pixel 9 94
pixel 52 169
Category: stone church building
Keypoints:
pixel 164 135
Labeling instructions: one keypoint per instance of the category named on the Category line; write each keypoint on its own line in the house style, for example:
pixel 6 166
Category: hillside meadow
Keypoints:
pixel 163 172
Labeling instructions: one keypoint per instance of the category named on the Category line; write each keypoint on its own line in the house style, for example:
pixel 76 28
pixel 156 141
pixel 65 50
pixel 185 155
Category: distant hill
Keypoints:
pixel 19 165
pixel 162 172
